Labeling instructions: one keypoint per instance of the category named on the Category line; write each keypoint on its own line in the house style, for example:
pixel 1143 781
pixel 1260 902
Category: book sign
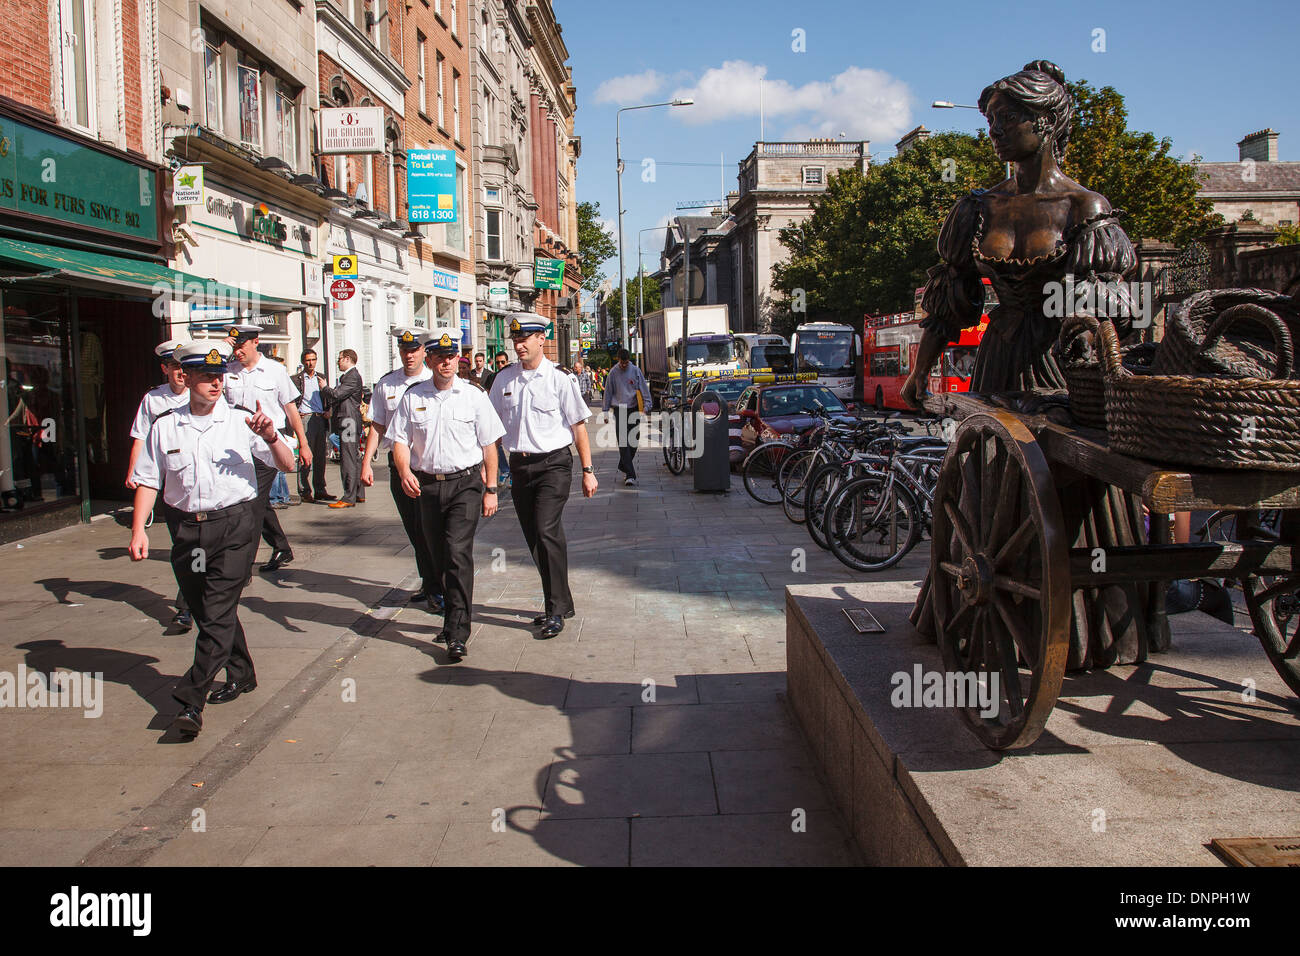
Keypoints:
pixel 431 185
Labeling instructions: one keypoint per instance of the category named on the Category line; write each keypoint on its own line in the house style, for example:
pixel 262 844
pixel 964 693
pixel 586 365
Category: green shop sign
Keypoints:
pixel 548 274
pixel 56 178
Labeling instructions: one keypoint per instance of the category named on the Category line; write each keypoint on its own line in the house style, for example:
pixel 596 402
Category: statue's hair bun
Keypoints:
pixel 1048 67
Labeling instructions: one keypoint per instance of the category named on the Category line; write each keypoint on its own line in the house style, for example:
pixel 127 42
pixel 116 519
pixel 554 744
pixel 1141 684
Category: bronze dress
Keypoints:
pixel 1109 625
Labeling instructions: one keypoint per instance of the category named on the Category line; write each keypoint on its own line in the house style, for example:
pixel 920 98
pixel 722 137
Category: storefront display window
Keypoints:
pixel 38 460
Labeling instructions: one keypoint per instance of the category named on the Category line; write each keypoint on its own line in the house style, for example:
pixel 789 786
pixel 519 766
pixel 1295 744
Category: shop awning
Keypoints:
pixel 108 273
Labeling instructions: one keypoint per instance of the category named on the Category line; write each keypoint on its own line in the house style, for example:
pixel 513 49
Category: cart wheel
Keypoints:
pixel 1274 604
pixel 999 571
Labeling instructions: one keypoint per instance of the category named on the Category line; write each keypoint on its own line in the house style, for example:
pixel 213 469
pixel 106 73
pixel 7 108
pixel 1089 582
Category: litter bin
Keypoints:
pixel 711 441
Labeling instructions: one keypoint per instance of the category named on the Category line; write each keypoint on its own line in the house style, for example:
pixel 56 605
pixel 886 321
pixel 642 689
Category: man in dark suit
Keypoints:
pixel 345 397
pixel 314 411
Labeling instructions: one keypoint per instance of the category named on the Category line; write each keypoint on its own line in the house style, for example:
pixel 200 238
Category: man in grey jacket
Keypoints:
pixel 345 397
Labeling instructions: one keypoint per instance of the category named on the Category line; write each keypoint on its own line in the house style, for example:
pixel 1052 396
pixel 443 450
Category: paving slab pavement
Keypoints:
pixel 652 731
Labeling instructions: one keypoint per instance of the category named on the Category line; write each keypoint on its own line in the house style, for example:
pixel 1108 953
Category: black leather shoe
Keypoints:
pixel 278 560
pixel 327 497
pixel 418 596
pixel 232 689
pixel 456 650
pixel 553 626
pixel 436 604
pixel 184 620
pixel 441 638
pixel 188 722
pixel 543 618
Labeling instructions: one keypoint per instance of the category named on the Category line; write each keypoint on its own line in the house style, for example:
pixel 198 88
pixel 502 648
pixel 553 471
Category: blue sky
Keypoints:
pixel 1203 74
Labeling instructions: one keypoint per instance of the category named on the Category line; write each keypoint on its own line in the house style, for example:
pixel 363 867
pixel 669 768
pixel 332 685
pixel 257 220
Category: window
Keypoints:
pixel 483 34
pixel 78 41
pixel 813 175
pixel 492 194
pixel 286 122
pixel 390 206
pixel 419 72
pixel 493 233
pixel 489 117
pixel 442 114
pixel 420 317
pixel 367 341
pixel 453 17
pixel 455 105
pixel 250 107
pixel 213 100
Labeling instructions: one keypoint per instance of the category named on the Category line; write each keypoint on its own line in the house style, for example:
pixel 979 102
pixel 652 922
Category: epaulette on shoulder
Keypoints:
pixel 244 409
pixel 164 414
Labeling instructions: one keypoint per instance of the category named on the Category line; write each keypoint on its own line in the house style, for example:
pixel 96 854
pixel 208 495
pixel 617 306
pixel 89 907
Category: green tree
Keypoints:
pixel 595 245
pixel 1288 235
pixel 652 297
pixel 871 238
pixel 1134 170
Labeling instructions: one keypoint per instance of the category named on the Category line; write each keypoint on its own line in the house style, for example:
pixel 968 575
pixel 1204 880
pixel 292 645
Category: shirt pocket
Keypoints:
pixel 547 410
pixel 183 472
pixel 268 396
pixel 461 424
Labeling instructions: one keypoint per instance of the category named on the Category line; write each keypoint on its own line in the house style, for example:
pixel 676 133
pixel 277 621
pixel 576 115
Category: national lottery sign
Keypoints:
pixel 431 185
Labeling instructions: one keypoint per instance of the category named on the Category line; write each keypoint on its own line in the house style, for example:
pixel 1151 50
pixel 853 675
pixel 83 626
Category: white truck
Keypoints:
pixel 710 350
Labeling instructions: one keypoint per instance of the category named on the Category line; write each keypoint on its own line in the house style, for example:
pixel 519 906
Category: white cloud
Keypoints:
pixel 862 103
pixel 630 88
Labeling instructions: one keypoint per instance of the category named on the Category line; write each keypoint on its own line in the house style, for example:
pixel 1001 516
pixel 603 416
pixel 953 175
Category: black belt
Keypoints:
pixel 450 476
pixel 536 456
pixel 218 513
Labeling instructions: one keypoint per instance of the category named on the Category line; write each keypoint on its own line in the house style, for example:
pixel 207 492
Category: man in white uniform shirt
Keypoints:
pixel 171 394
pixel 543 413
pixel 202 456
pixel 388 392
pixel 257 380
pixel 443 433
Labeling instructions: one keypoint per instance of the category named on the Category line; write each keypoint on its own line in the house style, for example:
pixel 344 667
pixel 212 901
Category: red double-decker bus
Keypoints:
pixel 890 343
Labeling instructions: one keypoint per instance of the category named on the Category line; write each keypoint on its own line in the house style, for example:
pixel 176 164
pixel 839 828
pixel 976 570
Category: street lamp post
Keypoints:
pixel 618 155
pixel 640 272
pixel 945 105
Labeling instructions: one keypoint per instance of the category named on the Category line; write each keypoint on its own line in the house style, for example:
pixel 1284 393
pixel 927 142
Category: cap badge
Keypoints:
pixel 214 357
pixel 445 342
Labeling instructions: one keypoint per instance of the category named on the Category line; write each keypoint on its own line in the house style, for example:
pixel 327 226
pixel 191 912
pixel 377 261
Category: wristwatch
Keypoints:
pixel 274 438
pixel 587 469
pixel 489 491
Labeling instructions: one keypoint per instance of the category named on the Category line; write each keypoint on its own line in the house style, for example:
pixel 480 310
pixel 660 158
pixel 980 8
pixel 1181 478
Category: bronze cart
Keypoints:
pixel 1003 574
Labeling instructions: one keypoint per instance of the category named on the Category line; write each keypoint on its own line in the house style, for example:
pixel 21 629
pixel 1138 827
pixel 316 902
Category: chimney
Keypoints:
pixel 1261 146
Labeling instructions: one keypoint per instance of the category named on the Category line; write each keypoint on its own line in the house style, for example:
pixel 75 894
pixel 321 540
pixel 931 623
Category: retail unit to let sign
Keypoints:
pixel 352 130
pixel 548 274
pixel 431 185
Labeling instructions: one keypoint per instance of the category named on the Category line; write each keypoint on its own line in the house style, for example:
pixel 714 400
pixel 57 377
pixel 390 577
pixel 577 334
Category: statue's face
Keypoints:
pixel 1011 128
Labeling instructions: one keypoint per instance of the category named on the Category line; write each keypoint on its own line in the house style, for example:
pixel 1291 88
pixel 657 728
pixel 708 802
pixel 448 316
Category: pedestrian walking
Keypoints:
pixel 345 399
pixel 443 432
pixel 628 393
pixel 203 457
pixel 586 382
pixel 173 393
pixel 255 381
pixel 314 411
pixel 543 414
pixel 388 392
pixel 503 464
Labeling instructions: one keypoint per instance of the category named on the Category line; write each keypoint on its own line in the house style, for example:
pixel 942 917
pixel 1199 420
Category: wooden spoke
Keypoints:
pixel 1010 674
pixel 949 568
pixel 1015 545
pixel 960 526
pixel 1281 587
pixel 1008 500
pixel 1016 587
pixel 1292 651
pixel 988 486
pixel 1017 632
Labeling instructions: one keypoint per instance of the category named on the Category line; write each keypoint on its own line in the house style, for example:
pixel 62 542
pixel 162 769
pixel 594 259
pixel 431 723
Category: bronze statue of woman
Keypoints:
pixel 1026 235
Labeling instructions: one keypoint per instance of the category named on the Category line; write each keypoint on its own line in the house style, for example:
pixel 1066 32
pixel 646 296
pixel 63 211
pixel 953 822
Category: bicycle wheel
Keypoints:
pixel 821 487
pixel 675 458
pixel 793 479
pixel 759 473
pixel 871 523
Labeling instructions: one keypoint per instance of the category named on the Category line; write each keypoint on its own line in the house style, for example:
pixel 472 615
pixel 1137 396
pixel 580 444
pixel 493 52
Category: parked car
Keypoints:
pixel 770 412
pixel 729 387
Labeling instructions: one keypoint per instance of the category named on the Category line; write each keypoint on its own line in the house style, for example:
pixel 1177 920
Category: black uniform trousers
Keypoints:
pixel 408 509
pixel 311 479
pixel 539 487
pixel 172 517
pixel 626 447
pixel 212 559
pixel 449 512
pixel 268 522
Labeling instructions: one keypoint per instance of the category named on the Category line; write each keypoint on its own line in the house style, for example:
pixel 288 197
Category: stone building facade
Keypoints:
pixel 1258 183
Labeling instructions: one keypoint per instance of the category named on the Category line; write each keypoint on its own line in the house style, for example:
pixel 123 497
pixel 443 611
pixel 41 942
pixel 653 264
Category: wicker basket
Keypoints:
pixel 1200 422
pixel 1082 369
pixel 1231 333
